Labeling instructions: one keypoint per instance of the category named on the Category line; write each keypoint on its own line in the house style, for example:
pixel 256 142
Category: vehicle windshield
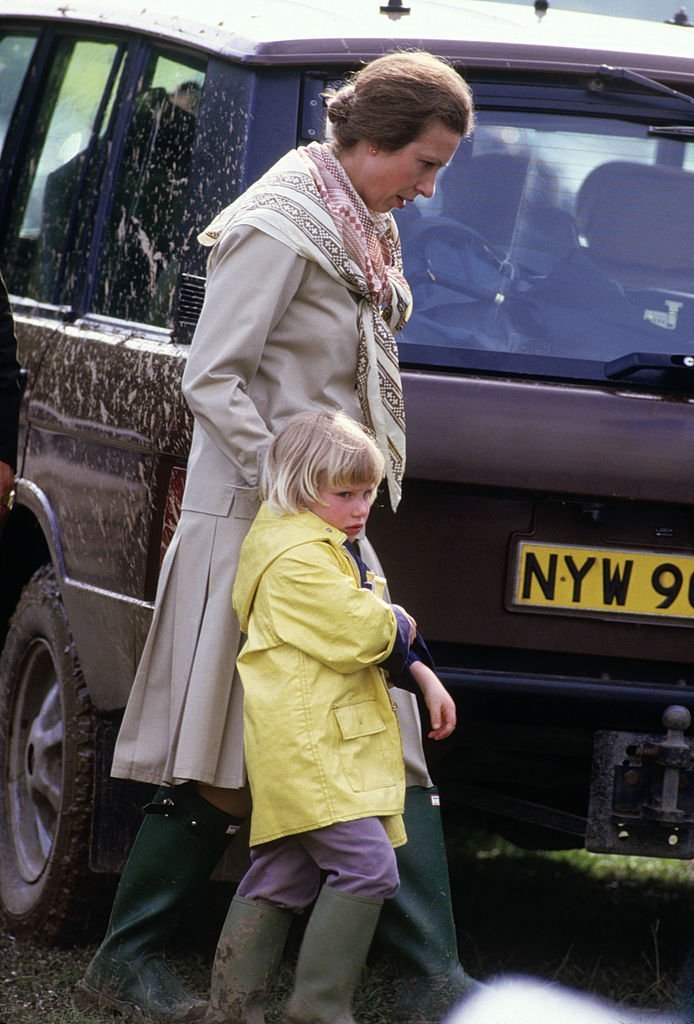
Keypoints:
pixel 557 236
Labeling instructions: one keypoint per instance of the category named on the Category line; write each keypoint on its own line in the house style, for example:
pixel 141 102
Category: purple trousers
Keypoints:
pixel 352 856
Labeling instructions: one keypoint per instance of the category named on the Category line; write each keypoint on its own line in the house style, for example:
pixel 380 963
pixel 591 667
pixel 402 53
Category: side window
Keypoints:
pixel 144 232
pixel 15 54
pixel 67 127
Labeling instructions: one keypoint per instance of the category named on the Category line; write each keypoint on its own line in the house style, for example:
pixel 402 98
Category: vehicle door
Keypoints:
pixel 96 167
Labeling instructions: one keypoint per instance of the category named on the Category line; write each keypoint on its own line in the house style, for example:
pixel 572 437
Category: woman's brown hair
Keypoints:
pixel 394 98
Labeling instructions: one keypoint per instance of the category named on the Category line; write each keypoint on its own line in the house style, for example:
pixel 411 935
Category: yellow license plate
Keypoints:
pixel 603 581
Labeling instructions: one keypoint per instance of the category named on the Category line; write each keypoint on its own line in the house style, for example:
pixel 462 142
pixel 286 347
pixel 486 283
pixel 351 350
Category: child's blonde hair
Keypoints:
pixel 314 450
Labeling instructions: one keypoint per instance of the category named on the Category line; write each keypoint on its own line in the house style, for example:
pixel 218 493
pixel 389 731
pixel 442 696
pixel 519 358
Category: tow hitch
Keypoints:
pixel 642 791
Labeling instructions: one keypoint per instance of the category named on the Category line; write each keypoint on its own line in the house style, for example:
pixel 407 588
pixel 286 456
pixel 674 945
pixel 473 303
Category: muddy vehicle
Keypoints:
pixel 546 537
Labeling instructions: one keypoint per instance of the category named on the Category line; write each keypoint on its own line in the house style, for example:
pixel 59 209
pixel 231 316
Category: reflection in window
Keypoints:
pixel 144 233
pixel 555 236
pixel 47 205
pixel 15 54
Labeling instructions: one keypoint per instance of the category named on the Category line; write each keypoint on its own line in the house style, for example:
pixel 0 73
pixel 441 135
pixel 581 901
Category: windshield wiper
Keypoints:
pixel 624 366
pixel 683 132
pixel 605 74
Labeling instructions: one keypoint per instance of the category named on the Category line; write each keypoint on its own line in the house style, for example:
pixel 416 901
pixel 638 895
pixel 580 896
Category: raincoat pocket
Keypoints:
pixel 366 747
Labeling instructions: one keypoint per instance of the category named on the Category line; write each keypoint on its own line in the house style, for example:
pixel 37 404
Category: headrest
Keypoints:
pixel 486 191
pixel 638 216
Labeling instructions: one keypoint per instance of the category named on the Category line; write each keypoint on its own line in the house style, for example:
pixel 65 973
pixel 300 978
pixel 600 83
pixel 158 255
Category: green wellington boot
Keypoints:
pixel 179 843
pixel 685 989
pixel 248 954
pixel 331 958
pixel 416 930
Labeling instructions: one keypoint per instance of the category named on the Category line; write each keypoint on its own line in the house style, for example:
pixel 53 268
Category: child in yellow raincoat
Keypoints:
pixel 322 742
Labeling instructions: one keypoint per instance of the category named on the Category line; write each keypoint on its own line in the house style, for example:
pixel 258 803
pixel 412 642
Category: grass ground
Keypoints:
pixel 615 926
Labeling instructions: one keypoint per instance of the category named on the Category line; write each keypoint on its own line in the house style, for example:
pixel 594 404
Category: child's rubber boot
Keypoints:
pixel 248 954
pixel 177 847
pixel 416 930
pixel 331 958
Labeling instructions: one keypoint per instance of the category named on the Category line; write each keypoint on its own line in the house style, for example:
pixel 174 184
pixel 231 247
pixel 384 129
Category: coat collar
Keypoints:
pixel 273 535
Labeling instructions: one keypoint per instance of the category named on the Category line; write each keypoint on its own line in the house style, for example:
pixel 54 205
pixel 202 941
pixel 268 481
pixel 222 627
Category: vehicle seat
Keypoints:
pixel 637 224
pixel 511 199
pixel 484 194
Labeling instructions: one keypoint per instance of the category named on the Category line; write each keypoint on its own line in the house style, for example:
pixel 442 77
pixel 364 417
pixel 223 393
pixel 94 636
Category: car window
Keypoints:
pixel 554 236
pixel 144 233
pixel 15 54
pixel 69 122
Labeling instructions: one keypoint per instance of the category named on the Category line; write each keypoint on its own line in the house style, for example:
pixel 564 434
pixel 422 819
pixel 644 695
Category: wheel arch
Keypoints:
pixel 47 756
pixel 30 539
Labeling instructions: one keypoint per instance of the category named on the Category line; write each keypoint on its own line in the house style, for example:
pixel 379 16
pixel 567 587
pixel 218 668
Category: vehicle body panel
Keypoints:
pixel 485 33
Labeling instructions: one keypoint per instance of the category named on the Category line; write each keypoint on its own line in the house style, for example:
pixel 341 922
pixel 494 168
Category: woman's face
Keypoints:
pixel 387 179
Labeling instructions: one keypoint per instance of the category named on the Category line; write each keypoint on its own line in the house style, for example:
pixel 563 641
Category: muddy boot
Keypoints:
pixel 331 958
pixel 416 930
pixel 248 954
pixel 174 853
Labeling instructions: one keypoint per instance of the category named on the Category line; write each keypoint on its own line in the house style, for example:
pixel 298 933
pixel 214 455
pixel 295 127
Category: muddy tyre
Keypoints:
pixel 47 764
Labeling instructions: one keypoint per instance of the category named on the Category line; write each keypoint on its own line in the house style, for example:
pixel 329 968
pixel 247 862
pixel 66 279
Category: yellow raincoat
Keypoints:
pixel 321 738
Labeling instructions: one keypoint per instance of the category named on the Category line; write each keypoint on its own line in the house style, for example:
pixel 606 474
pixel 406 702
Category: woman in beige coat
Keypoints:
pixel 304 294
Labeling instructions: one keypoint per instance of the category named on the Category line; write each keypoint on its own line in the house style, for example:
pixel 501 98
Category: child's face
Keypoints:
pixel 345 508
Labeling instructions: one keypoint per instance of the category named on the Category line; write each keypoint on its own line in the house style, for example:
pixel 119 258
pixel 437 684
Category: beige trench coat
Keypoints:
pixel 276 335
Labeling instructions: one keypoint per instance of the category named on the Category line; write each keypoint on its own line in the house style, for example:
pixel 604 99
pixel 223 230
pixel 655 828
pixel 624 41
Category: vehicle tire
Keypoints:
pixel 47 764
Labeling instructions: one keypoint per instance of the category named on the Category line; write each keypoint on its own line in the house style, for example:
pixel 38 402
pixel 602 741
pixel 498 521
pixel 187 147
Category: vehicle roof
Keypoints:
pixel 475 32
pixel 648 10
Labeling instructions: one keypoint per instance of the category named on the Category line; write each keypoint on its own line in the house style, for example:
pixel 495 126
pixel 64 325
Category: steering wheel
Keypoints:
pixel 441 251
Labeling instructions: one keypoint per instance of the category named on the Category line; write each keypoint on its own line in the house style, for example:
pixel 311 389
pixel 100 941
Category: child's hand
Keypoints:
pixel 441 706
